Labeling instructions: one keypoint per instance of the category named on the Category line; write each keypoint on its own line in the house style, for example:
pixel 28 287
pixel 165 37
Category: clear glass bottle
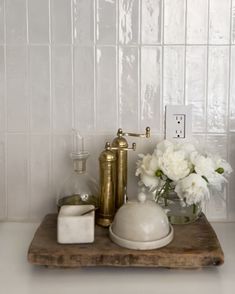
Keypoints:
pixel 79 188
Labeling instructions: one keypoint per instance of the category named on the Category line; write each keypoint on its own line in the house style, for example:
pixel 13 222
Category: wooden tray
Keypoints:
pixel 195 245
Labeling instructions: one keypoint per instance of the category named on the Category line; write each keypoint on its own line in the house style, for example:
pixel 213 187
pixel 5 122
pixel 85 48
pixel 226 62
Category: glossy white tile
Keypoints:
pixel 2 89
pixel 17 176
pixel 232 92
pixel 83 22
pixel 196 79
pixel 151 88
pixel 2 177
pixel 231 185
pixel 2 23
pixel 219 22
pixel 62 164
pixel 151 21
pixel 233 22
pixel 197 21
pixel 173 75
pixel 128 21
pixel 17 89
pixel 174 21
pixel 84 88
pixel 106 21
pixel 61 24
pixel 39 88
pixel 61 82
pixel 218 82
pixel 106 98
pixel 128 87
pixel 38 21
pixel 40 192
pixel 16 19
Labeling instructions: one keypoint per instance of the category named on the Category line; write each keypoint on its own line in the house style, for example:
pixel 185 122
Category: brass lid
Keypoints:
pixel 120 141
pixel 107 154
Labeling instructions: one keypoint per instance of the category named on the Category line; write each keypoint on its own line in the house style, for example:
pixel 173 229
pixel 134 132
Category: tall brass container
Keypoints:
pixel 106 211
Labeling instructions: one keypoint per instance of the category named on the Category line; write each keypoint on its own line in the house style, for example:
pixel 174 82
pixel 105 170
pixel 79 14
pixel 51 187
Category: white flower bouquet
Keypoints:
pixel 181 168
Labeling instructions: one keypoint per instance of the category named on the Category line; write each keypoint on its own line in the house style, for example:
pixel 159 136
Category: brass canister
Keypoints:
pixel 106 211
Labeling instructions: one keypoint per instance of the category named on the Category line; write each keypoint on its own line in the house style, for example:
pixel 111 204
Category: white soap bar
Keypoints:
pixel 73 227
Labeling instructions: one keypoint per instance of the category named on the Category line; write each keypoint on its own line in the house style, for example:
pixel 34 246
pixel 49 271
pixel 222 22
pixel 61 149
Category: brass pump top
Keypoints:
pixel 107 154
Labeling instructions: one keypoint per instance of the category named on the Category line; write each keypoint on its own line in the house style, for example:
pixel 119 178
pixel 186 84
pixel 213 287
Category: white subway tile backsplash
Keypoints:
pixel 218 82
pixel 196 78
pixel 38 20
pixel 40 192
pixel 219 22
pixel 2 89
pixel 106 21
pixel 173 75
pixel 106 99
pixel 128 87
pixel 17 176
pixel 84 88
pixel 197 21
pixel 174 21
pixel 16 19
pixel 61 82
pixel 102 64
pixel 232 92
pixel 2 177
pixel 151 88
pixel 83 22
pixel 151 21
pixel 39 88
pixel 129 21
pixel 61 21
pixel 16 89
pixel 2 24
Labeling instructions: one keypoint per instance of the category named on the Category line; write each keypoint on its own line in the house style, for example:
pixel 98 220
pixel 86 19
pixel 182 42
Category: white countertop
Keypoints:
pixel 17 276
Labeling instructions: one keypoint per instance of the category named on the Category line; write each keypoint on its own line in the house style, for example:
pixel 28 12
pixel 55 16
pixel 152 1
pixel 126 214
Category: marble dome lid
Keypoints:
pixel 141 225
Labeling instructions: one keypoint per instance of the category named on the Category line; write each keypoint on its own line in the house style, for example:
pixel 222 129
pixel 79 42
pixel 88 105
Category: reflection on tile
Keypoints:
pixel 150 87
pixel 2 15
pixel 62 164
pixel 83 22
pixel 2 89
pixel 218 81
pixel 17 95
pixel 233 23
pixel 62 87
pixel 17 176
pixel 2 177
pixel 106 21
pixel 232 91
pixel 128 88
pixel 151 21
pixel 173 75
pixel 219 22
pixel 231 185
pixel 61 21
pixel 196 69
pixel 106 104
pixel 39 87
pixel 217 144
pixel 84 88
pixel 128 21
pixel 16 30
pixel 174 21
pixel 197 21
pixel 40 177
pixel 38 17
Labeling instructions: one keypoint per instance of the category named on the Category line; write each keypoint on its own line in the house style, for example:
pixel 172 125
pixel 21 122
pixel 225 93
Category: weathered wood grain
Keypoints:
pixel 194 246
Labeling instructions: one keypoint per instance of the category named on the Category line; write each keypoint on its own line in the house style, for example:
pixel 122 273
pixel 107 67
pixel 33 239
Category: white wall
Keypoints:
pixel 98 65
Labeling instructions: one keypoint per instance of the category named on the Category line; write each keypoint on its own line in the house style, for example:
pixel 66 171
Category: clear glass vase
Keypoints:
pixel 176 212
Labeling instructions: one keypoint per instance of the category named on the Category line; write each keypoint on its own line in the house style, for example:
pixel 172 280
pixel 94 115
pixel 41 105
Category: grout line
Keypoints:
pixel 140 98
pixel 72 48
pixel 185 51
pixel 162 121
pixel 118 98
pixel 95 64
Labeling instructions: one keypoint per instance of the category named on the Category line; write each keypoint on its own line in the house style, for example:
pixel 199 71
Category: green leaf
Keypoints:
pixel 220 170
pixel 205 179
pixel 158 173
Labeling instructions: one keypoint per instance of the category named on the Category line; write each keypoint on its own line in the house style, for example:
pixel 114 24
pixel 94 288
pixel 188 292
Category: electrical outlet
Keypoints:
pixel 178 122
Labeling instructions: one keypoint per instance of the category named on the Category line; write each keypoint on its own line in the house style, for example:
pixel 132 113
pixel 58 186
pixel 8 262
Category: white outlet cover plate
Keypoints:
pixel 172 128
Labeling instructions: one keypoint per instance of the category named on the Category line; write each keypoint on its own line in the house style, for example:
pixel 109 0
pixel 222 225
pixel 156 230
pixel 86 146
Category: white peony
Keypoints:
pixel 192 189
pixel 174 165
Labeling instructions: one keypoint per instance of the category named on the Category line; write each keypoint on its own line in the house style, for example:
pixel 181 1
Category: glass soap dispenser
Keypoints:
pixel 79 188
